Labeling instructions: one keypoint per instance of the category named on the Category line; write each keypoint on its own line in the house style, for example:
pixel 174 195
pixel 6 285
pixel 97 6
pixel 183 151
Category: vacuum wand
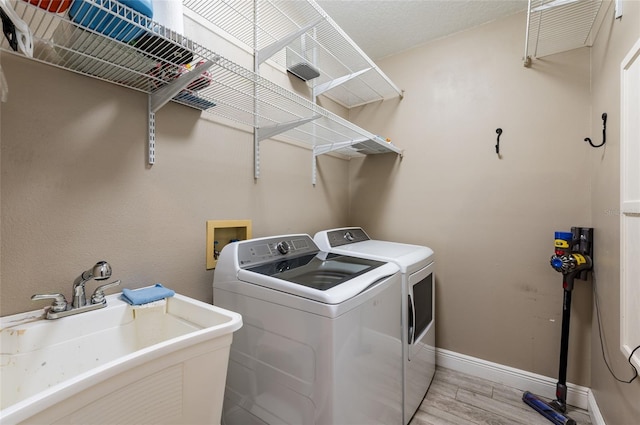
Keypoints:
pixel 572 257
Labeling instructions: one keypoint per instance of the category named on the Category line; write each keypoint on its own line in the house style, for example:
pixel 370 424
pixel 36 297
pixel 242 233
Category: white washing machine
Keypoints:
pixel 321 341
pixel 418 307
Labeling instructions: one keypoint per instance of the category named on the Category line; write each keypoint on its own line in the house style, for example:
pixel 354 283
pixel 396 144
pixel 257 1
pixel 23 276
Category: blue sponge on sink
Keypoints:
pixel 146 295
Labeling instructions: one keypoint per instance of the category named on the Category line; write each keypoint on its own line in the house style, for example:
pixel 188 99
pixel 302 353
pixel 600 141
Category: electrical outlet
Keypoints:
pixel 222 232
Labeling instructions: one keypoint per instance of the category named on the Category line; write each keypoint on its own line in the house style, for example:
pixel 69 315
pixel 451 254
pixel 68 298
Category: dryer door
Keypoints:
pixel 420 352
pixel 420 293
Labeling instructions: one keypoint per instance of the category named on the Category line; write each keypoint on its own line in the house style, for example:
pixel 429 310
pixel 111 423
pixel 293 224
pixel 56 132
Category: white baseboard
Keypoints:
pixel 544 386
pixel 594 411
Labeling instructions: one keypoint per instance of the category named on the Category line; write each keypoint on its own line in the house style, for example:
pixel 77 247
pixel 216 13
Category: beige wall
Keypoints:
pixel 619 403
pixel 490 220
pixel 76 188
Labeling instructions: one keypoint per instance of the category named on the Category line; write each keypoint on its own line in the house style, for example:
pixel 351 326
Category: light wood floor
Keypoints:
pixel 458 399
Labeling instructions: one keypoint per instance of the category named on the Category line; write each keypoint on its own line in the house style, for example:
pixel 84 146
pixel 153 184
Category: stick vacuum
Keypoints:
pixel 573 258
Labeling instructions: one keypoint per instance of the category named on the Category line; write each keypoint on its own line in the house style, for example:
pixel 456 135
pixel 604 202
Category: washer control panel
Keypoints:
pixel 258 251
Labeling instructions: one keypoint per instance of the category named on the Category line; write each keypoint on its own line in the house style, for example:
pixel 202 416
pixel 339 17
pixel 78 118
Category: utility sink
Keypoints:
pixel 163 362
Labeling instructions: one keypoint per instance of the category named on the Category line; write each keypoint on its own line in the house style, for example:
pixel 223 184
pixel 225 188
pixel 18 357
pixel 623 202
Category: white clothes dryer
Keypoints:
pixel 321 341
pixel 418 306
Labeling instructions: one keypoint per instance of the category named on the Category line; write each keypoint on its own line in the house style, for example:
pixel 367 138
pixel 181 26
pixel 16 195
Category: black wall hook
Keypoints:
pixel 499 132
pixel 604 132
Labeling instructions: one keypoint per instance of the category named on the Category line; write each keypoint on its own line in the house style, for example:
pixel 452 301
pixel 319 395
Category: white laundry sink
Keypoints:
pixel 163 362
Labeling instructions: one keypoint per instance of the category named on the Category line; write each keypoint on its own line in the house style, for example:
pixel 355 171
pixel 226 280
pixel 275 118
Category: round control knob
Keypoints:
pixel 282 247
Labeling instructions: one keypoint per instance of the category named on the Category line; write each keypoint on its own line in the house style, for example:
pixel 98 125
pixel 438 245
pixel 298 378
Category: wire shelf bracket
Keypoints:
pixel 320 89
pixel 262 133
pixel 163 95
pixel 274 130
pixel 268 51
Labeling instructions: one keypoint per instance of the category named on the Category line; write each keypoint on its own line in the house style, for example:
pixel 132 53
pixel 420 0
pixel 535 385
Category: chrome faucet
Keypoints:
pixel 101 271
pixel 61 308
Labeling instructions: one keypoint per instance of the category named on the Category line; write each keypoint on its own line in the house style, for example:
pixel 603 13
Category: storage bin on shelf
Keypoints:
pixel 110 22
pixel 55 6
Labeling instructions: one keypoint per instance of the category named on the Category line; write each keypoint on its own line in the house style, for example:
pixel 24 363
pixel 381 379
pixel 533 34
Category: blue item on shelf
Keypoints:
pixel 112 23
pixel 146 295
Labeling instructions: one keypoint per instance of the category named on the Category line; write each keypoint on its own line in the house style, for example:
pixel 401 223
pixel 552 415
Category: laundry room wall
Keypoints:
pixel 489 218
pixel 618 402
pixel 75 187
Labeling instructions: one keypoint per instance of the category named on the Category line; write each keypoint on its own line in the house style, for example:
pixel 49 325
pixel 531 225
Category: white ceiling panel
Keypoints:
pixel 386 27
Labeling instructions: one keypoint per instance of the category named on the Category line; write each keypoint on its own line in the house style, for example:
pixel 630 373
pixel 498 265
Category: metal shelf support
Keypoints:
pixel 319 89
pixel 262 133
pixel 323 149
pixel 274 130
pixel 163 95
pixel 268 51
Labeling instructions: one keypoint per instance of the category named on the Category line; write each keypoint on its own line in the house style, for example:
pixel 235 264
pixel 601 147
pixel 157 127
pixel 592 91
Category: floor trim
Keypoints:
pixel 594 410
pixel 538 384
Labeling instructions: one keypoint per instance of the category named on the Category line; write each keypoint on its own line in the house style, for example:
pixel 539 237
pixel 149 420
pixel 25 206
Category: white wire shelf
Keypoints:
pixel 555 26
pixel 347 75
pixel 157 66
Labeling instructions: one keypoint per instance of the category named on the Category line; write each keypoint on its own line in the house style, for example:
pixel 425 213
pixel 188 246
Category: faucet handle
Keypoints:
pixel 59 301
pixel 98 294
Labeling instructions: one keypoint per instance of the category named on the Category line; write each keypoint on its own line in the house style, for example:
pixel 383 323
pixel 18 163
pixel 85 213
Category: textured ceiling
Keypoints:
pixel 385 27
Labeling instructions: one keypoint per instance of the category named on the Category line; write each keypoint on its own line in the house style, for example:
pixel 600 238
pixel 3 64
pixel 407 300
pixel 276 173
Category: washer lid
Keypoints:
pixel 321 271
pixel 324 277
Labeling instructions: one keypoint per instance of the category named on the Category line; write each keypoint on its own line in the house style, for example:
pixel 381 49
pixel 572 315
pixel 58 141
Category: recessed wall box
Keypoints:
pixel 222 232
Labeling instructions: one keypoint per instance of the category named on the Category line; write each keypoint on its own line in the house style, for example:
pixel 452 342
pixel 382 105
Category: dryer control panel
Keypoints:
pixel 258 251
pixel 346 236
